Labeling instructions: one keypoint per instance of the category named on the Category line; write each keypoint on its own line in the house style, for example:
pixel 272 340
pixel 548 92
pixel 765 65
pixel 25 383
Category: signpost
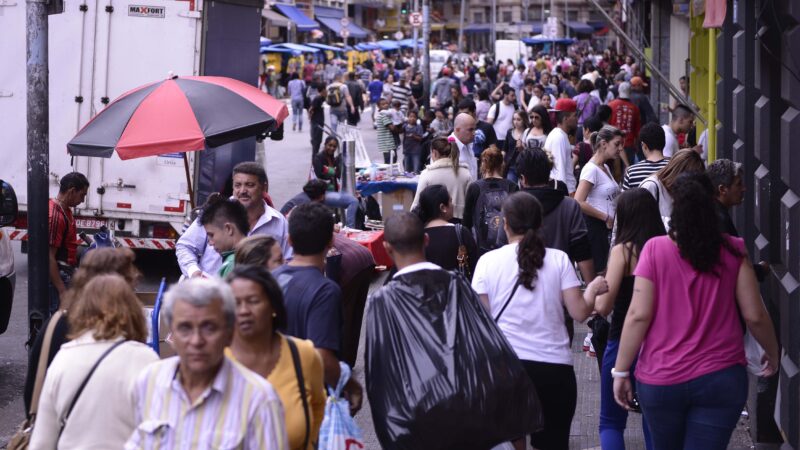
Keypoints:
pixel 398 35
pixel 344 33
pixel 345 22
pixel 415 19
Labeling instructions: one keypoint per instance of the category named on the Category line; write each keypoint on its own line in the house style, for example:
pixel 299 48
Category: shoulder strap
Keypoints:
pixel 458 234
pixel 508 300
pixel 44 354
pixel 301 383
pixel 85 381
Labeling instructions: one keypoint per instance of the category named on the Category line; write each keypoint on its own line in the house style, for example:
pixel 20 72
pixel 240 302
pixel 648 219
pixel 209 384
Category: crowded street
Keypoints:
pixel 422 225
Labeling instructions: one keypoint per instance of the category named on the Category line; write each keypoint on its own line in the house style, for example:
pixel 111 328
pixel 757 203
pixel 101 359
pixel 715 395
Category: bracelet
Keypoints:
pixel 620 374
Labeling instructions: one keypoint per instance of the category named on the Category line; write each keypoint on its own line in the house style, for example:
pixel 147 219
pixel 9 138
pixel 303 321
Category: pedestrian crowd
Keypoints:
pixel 549 194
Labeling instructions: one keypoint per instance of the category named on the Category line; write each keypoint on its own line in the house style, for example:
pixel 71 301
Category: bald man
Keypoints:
pixel 464 133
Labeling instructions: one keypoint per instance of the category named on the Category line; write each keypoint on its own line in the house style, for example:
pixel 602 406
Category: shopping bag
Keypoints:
pixel 339 431
pixel 754 352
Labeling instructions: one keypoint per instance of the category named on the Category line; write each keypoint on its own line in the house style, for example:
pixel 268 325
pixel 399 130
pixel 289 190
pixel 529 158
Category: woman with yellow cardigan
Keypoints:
pixel 284 361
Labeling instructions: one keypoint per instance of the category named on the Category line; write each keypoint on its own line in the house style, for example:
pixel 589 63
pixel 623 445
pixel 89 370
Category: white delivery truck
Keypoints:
pixel 100 49
pixel 516 51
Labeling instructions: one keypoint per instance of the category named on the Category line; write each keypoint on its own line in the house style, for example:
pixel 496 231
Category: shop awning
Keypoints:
pixel 541 41
pixel 334 25
pixel 324 47
pixel 388 45
pixel 367 46
pixel 409 43
pixel 579 27
pixel 275 18
pixel 295 48
pixel 300 20
pixel 478 28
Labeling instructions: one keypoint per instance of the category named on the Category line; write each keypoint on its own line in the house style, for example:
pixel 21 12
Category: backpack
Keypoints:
pixel 334 97
pixel 487 220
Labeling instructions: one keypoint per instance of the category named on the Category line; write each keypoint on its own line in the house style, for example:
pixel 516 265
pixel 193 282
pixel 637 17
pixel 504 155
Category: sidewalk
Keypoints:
pixel 584 435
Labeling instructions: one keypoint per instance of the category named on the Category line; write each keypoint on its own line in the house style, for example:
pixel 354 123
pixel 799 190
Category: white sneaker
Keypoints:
pixel 587 342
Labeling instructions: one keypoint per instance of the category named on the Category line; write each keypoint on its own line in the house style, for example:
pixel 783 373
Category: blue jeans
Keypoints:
pixel 345 201
pixel 55 300
pixel 699 414
pixel 336 117
pixel 412 163
pixel 297 113
pixel 613 417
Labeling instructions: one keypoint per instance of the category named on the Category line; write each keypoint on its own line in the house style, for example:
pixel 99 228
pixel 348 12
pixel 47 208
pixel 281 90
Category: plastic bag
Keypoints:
pixel 339 431
pixel 439 373
pixel 754 352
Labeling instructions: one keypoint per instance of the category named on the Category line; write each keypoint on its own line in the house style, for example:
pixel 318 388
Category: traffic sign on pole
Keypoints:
pixel 344 33
pixel 399 35
pixel 415 19
pixel 345 22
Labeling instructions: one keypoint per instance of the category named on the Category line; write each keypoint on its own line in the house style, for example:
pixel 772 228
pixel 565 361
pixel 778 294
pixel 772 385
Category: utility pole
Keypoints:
pixel 426 53
pixel 38 162
pixel 415 35
pixel 461 28
pixel 494 26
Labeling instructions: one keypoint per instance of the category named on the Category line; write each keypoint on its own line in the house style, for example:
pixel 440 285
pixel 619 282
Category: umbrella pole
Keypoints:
pixel 188 179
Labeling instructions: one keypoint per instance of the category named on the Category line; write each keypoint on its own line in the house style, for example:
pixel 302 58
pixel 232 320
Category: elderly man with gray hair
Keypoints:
pixel 201 399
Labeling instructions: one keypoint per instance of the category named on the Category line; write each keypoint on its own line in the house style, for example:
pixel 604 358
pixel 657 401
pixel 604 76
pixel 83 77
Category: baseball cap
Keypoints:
pixel 625 90
pixel 566 105
pixel 638 81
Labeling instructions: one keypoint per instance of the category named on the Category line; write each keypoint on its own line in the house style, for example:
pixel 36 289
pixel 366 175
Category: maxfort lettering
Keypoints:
pixel 146 11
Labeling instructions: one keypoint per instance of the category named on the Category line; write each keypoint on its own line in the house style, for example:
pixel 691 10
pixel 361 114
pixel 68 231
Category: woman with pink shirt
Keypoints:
pixel 691 290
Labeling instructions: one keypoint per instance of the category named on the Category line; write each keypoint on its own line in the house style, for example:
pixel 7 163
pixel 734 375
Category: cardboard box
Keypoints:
pixel 396 202
pixel 148 300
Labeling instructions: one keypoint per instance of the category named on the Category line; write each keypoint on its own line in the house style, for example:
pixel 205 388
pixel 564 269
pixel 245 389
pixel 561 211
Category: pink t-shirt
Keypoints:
pixel 695 328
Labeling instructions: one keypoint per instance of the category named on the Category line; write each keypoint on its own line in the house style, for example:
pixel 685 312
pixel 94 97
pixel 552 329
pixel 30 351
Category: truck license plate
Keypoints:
pixel 90 223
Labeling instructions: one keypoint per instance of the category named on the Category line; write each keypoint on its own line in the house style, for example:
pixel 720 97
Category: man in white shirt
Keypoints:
pixel 464 134
pixel 682 121
pixel 558 144
pixel 501 115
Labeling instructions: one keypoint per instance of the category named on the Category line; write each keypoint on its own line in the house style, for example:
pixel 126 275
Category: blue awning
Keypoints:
pixel 335 26
pixel 324 11
pixel 301 21
pixel 409 43
pixel 388 45
pixel 325 47
pixel 269 49
pixel 597 24
pixel 536 28
pixel 540 41
pixel 294 48
pixel 367 46
pixel 579 27
pixel 478 28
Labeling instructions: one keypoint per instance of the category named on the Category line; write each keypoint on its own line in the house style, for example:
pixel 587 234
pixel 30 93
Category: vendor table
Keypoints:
pixel 396 195
pixel 387 186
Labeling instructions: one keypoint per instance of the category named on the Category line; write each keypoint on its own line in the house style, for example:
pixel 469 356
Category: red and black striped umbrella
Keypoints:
pixel 178 115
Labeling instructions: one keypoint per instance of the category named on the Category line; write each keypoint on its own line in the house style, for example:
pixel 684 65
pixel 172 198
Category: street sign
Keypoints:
pixel 399 35
pixel 344 33
pixel 345 22
pixel 415 19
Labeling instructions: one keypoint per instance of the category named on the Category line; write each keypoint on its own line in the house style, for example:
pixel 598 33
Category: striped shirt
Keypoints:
pixel 240 410
pixel 385 138
pixel 401 94
pixel 635 174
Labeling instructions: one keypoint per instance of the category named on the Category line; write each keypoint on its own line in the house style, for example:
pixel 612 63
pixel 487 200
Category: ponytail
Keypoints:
pixel 530 258
pixel 523 215
pixel 454 156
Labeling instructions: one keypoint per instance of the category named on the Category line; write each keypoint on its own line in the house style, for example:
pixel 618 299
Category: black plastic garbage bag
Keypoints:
pixel 439 373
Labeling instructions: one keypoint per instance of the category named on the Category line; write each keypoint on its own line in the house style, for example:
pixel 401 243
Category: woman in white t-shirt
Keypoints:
pixel 529 309
pixel 597 192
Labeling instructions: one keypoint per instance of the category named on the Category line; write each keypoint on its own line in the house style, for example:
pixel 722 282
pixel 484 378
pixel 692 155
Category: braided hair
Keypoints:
pixel 523 215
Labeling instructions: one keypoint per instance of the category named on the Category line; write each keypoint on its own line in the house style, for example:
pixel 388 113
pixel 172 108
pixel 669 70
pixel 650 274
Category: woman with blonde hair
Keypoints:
pixel 99 261
pixel 445 169
pixel 661 184
pixel 259 250
pixel 95 371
